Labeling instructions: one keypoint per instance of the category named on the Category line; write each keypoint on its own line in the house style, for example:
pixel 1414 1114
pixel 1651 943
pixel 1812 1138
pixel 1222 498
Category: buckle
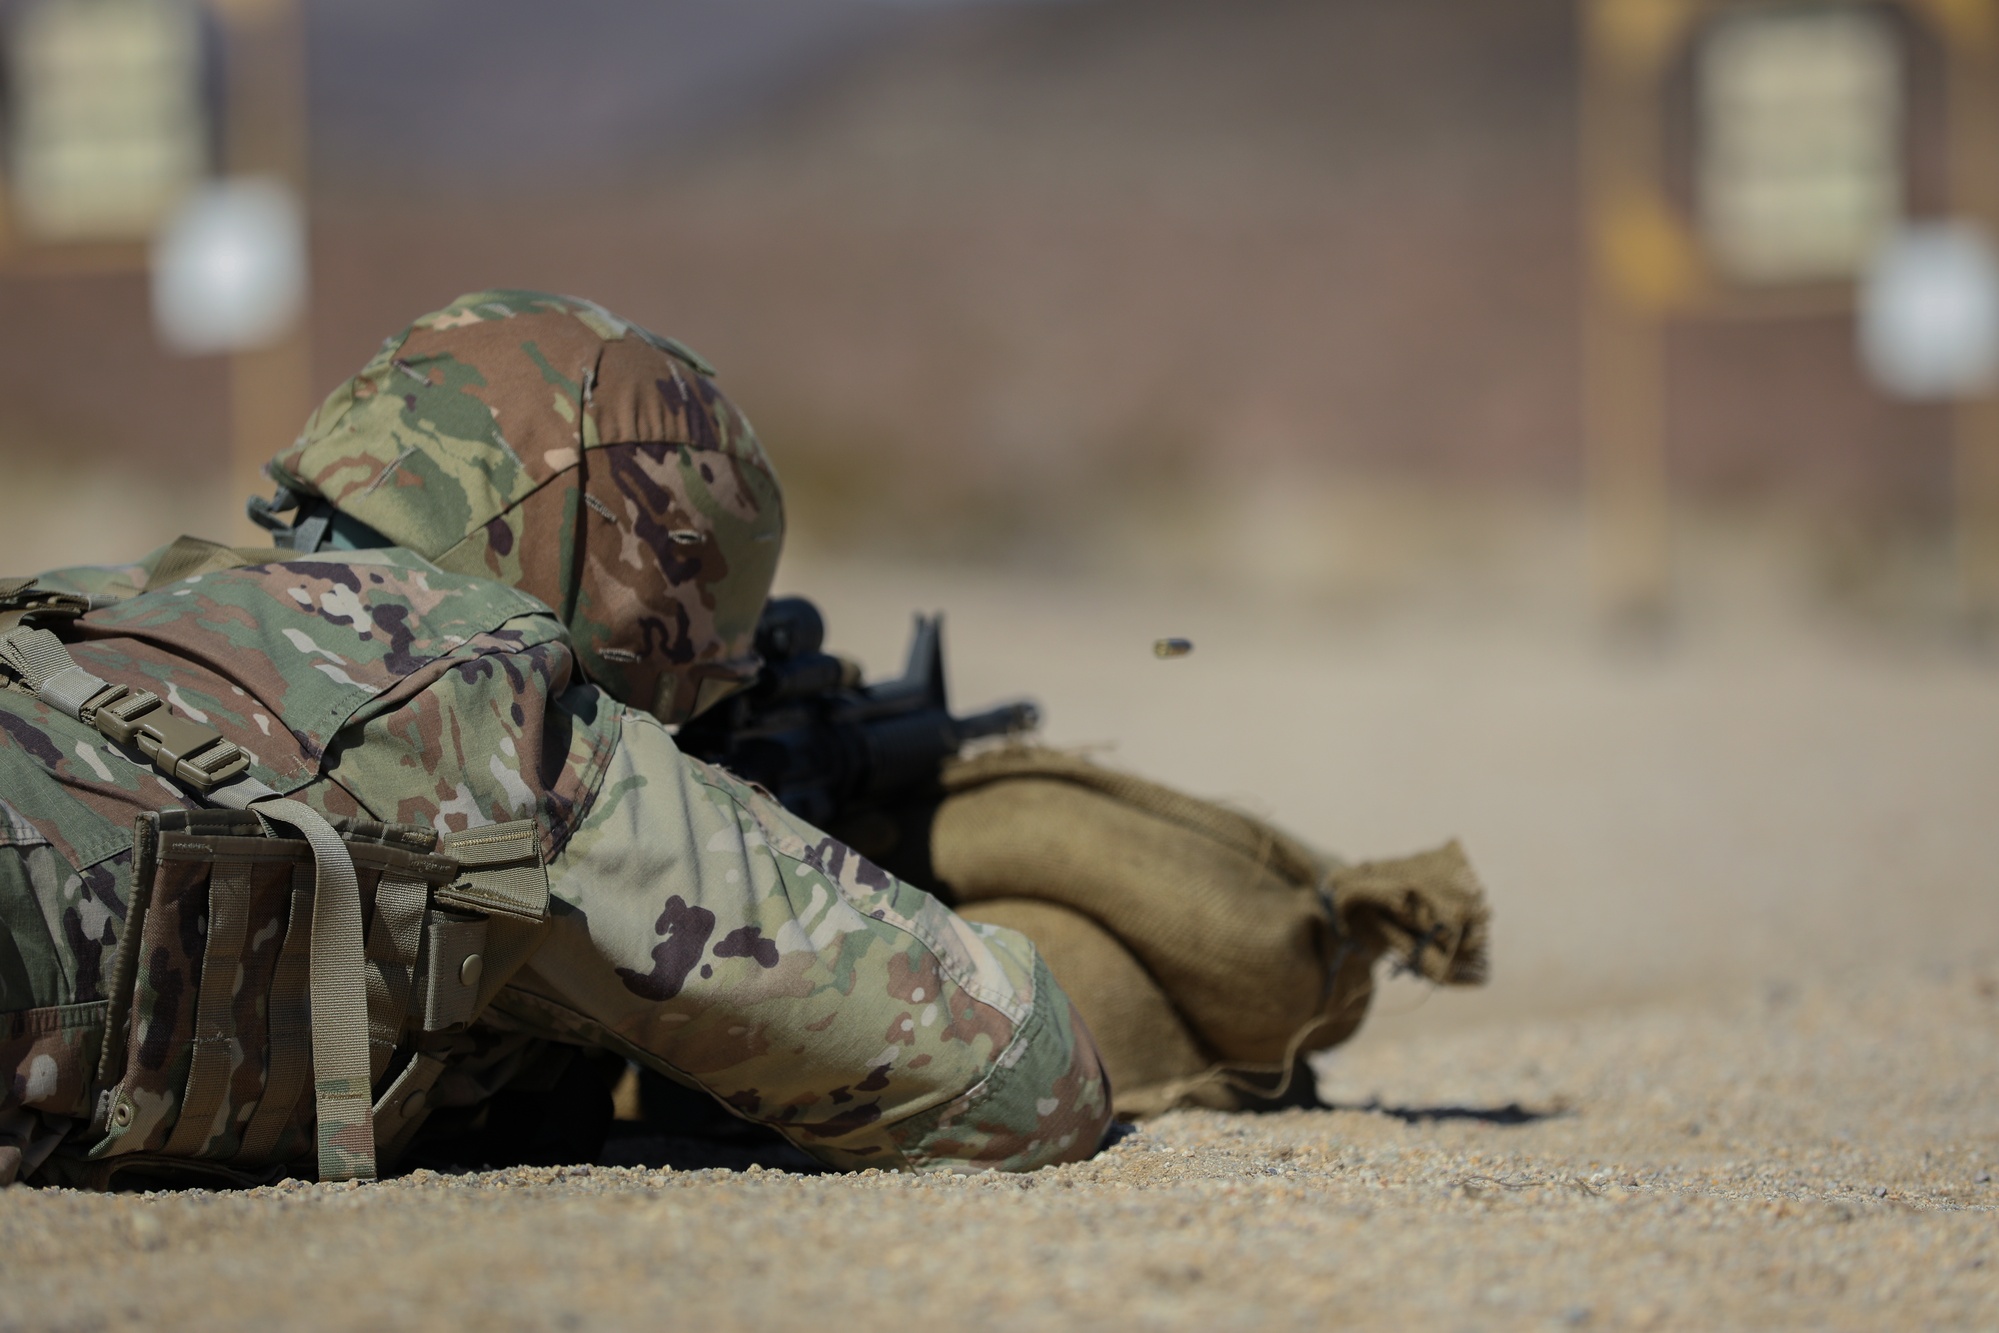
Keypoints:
pixel 212 766
pixel 188 751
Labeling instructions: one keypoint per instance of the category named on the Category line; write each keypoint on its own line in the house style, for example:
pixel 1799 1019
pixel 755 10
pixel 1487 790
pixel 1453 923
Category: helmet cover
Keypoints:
pixel 542 441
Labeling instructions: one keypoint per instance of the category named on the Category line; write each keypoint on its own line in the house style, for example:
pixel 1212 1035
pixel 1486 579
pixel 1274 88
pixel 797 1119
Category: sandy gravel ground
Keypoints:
pixel 1739 1066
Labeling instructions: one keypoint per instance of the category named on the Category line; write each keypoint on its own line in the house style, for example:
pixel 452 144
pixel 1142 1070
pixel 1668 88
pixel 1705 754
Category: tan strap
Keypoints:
pixel 454 966
pixel 189 752
pixel 393 946
pixel 189 556
pixel 501 871
pixel 37 657
pixel 501 877
pixel 342 1086
pixel 405 1105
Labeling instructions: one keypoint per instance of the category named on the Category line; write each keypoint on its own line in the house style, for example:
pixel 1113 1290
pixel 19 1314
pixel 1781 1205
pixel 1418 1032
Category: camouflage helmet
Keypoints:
pixel 542 441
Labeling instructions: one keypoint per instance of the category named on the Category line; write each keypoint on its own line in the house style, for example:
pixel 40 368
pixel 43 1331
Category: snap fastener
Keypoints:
pixel 121 1114
pixel 469 970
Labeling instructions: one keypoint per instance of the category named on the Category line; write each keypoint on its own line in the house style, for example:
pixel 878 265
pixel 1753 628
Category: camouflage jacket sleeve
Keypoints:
pixel 705 931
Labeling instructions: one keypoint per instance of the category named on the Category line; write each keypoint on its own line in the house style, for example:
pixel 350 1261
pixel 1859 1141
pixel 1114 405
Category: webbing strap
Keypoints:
pixel 310 531
pixel 215 1009
pixel 45 669
pixel 239 794
pixel 184 750
pixel 502 878
pixel 189 556
pixel 290 1027
pixel 405 1103
pixel 340 1067
pixel 35 655
pixel 70 689
pixel 392 954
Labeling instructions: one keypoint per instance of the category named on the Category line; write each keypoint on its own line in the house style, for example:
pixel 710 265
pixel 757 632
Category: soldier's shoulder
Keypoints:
pixel 348 621
pixel 391 582
pixel 387 574
pixel 100 582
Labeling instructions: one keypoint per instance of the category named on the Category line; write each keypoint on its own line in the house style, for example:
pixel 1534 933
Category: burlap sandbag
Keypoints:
pixel 1151 1057
pixel 1195 939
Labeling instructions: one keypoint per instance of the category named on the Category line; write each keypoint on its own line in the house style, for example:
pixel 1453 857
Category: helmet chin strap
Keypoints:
pixel 301 533
pixel 316 525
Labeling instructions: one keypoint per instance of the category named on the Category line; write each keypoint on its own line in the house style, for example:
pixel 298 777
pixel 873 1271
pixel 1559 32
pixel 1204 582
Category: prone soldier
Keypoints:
pixel 524 541
pixel 408 805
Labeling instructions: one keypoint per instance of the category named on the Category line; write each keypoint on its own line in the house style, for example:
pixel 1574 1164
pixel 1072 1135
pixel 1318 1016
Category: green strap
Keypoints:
pixel 340 1069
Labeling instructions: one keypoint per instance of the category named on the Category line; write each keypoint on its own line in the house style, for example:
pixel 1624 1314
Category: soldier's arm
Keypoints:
pixel 702 929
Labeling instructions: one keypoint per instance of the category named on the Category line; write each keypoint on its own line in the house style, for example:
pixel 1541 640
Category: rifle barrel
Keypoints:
pixel 1006 720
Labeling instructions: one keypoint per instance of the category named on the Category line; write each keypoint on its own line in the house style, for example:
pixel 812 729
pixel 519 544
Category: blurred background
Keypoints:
pixel 1039 281
pixel 1388 348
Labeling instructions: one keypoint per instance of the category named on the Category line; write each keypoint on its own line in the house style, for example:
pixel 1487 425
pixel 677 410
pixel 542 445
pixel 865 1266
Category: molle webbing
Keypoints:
pixel 215 1031
pixel 207 1058
pixel 341 1079
pixel 290 1027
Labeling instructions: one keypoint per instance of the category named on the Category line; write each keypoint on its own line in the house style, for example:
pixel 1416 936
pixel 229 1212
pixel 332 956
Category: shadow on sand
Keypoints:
pixel 1513 1113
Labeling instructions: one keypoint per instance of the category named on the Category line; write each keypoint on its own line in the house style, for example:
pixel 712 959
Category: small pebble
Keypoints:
pixel 1983 1178
pixel 1880 1191
pixel 1172 647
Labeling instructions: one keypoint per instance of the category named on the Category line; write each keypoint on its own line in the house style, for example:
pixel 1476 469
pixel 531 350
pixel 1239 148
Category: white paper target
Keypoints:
pixel 1929 313
pixel 229 269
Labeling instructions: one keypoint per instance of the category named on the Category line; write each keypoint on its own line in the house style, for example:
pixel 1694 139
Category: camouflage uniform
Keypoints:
pixel 696 926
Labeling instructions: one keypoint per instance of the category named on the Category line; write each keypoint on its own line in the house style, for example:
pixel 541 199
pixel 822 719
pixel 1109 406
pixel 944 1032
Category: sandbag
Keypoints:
pixel 1148 1051
pixel 1196 940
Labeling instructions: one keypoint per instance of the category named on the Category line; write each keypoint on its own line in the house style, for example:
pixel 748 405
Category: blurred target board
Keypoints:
pixel 1800 161
pixel 1800 207
pixel 106 124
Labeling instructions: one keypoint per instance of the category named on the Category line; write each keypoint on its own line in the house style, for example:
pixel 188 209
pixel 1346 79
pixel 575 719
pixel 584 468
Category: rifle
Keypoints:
pixel 860 761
